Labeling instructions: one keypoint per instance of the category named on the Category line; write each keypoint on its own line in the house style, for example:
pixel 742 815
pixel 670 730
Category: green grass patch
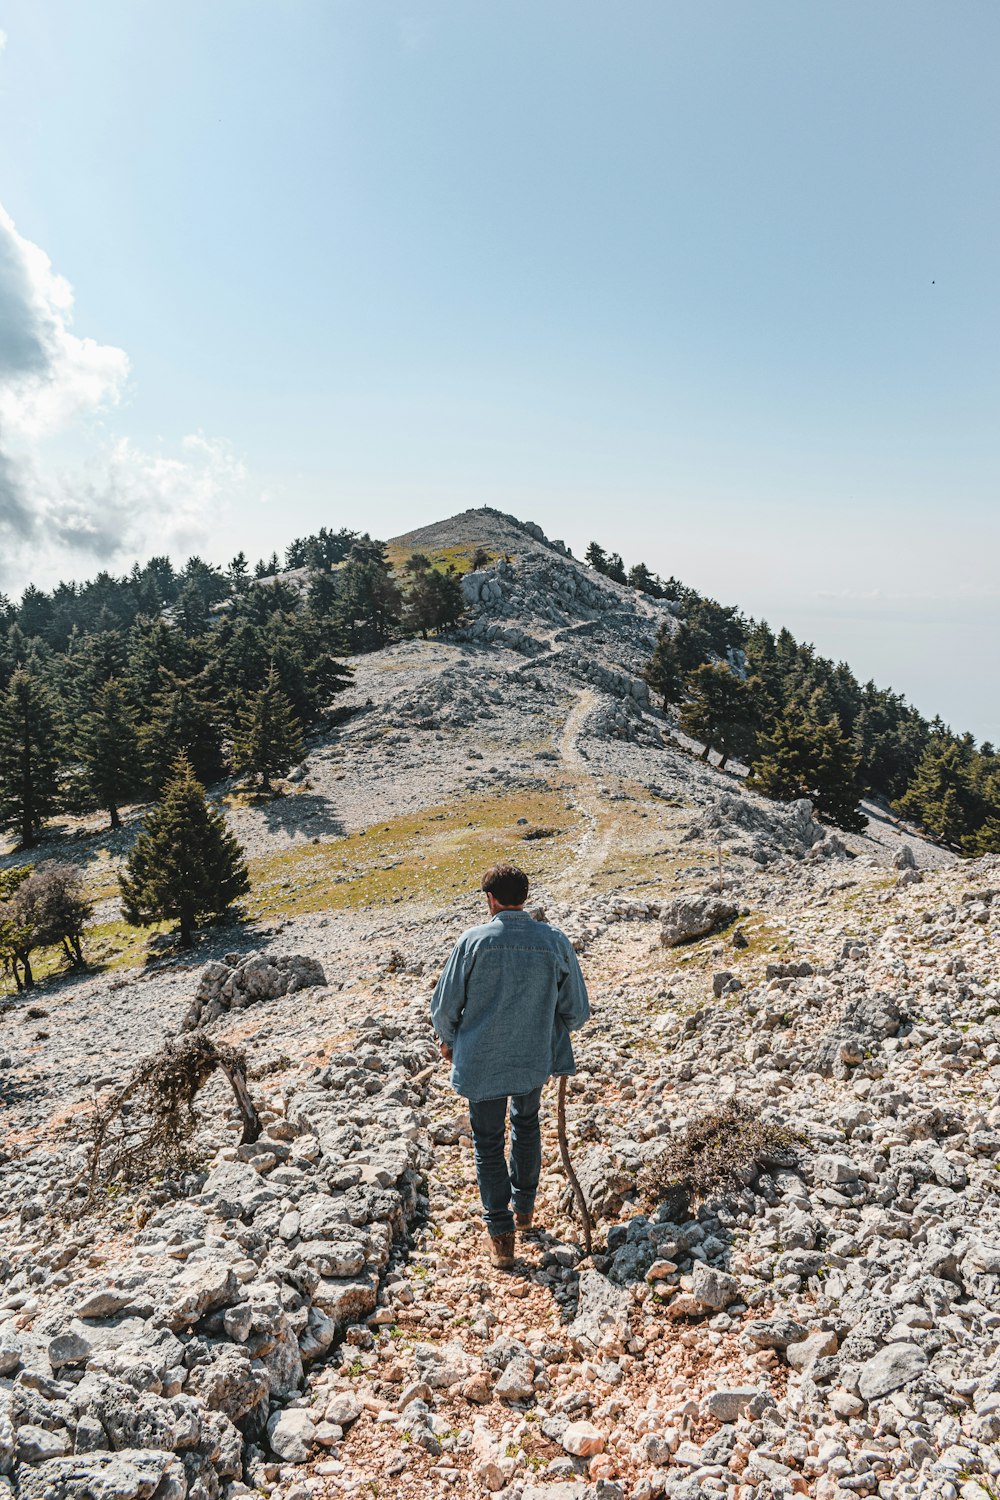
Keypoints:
pixel 432 856
pixel 458 557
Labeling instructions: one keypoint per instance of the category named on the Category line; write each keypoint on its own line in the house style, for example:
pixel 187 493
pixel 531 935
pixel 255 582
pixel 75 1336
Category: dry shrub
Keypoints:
pixel 146 1129
pixel 714 1154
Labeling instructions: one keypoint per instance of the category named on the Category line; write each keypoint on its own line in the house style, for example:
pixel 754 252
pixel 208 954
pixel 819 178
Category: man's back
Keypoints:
pixel 508 997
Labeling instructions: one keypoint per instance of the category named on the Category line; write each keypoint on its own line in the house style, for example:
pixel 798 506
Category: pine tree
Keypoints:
pixel 28 762
pixel 806 758
pixel 267 741
pixel 664 672
pixel 721 711
pixel 237 573
pixel 370 596
pixel 644 581
pixel 157 652
pixel 108 747
pixel 435 600
pixel 185 865
pixel 89 662
pixel 941 795
pixel 183 722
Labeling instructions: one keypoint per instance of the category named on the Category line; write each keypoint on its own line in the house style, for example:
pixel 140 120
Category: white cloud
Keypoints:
pixel 56 390
pixel 48 375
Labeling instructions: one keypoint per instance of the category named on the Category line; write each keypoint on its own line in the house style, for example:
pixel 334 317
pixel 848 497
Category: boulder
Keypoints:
pixel 10 1351
pixel 291 1434
pixel 517 1381
pixel 254 977
pixel 583 1439
pixel 343 1409
pixel 713 1288
pixel 444 1365
pixel 37 1444
pixel 601 1324
pixel 347 1299
pixel 803 1353
pixel 774 1333
pixel 201 1286
pixel 691 917
pixel 129 1475
pixel 604 1183
pixel 231 1383
pixel 892 1367
pixel 728 1403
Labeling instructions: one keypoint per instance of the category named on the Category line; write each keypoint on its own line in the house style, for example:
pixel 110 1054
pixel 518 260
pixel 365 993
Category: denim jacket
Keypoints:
pixel 507 999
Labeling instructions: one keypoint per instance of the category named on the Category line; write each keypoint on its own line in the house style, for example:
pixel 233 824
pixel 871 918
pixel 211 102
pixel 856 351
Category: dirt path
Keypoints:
pixel 596 844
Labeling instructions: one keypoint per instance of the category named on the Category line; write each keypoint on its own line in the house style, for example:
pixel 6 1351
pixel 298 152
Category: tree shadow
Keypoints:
pixel 305 813
pixel 233 931
pixel 16 1091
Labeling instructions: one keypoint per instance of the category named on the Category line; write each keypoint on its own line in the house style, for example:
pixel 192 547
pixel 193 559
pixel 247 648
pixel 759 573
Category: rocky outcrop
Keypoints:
pixel 763 832
pixel 166 1369
pixel 691 917
pixel 238 981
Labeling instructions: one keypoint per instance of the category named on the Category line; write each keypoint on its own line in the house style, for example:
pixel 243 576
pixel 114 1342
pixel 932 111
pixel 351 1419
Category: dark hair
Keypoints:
pixel 506 884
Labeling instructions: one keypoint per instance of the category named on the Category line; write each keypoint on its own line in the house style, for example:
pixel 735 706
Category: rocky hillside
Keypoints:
pixel 313 1313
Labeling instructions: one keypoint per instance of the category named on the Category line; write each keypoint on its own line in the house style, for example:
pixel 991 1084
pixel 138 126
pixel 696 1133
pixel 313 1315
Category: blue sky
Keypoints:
pixel 714 283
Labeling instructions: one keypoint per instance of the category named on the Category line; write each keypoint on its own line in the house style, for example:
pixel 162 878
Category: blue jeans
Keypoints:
pixel 496 1181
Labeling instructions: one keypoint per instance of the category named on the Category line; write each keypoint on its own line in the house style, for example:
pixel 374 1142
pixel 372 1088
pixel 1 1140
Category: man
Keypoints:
pixel 508 997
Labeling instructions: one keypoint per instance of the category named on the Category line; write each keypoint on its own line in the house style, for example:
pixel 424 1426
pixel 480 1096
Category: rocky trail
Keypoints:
pixel 314 1313
pixel 594 845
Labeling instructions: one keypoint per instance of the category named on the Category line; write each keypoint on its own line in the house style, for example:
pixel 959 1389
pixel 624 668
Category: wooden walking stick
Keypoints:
pixel 581 1201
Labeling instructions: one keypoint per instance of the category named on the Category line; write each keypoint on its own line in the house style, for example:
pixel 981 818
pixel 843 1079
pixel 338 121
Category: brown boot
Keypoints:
pixel 502 1251
pixel 523 1222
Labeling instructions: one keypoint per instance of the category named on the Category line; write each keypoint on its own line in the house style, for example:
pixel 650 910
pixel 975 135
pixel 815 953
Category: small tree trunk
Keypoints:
pixel 705 752
pixel 29 978
pixel 185 930
pixel 722 762
pixel 248 1112
pixel 116 821
pixel 265 783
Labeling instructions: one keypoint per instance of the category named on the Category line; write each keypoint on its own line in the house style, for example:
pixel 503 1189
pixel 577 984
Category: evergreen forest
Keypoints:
pixel 806 727
pixel 103 685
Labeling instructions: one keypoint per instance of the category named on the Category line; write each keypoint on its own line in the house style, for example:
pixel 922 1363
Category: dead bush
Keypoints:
pixel 714 1154
pixel 146 1130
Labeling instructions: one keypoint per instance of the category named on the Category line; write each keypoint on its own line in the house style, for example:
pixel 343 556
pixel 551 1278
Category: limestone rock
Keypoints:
pixel 517 1381
pixel 444 1365
pixel 291 1434
pixel 894 1366
pixel 583 1439
pixel 10 1351
pixel 690 917
pixel 602 1318
pixel 713 1288
pixel 728 1403
pixel 129 1475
